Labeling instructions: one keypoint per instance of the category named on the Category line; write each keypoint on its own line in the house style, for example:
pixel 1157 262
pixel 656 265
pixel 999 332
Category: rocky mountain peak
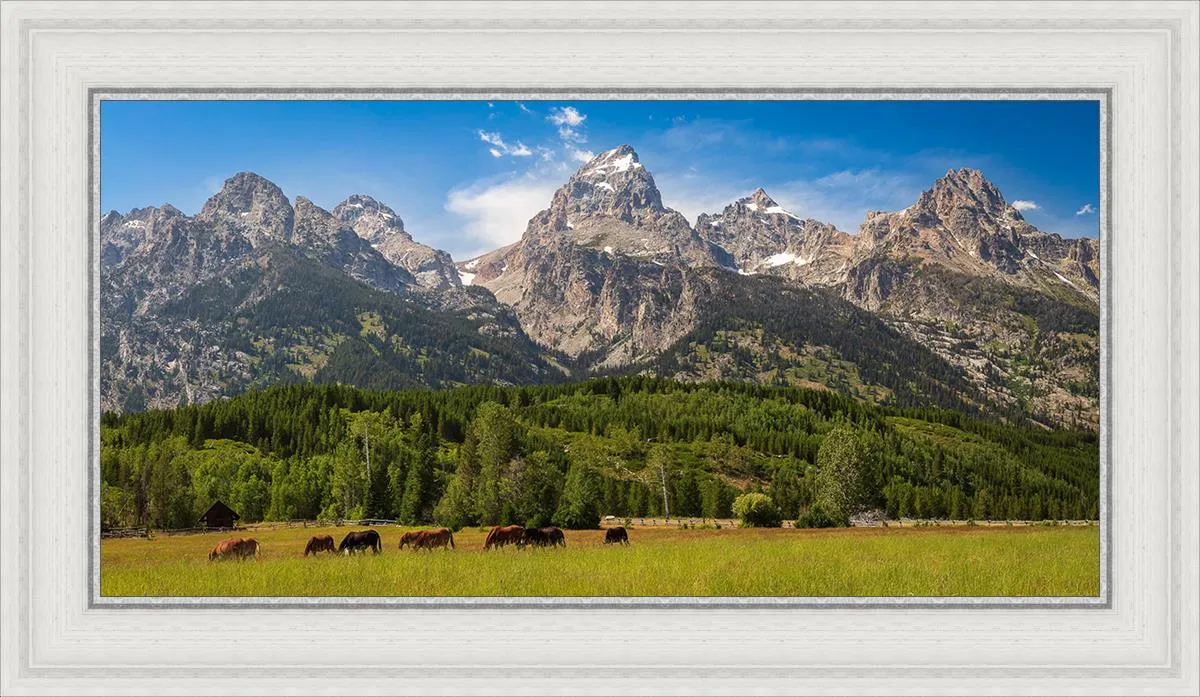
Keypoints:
pixel 613 183
pixel 755 234
pixel 760 200
pixel 109 218
pixel 370 219
pixel 964 188
pixel 306 203
pixel 251 204
pixel 245 190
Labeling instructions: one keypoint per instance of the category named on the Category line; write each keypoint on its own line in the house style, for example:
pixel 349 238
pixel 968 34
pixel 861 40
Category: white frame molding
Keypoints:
pixel 54 56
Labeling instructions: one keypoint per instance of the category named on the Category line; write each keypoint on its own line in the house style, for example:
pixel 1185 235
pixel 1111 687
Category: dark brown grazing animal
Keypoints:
pixel 360 541
pixel 501 536
pixel 320 543
pixel 617 535
pixel 535 537
pixel 225 548
pixel 556 537
pixel 247 548
pixel 545 537
pixel 432 539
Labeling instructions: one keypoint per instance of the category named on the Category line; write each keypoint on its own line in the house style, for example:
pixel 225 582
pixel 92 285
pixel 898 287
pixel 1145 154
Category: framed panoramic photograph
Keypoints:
pixel 754 348
pixel 820 354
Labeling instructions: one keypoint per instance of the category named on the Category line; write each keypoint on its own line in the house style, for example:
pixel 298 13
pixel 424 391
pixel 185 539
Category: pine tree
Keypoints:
pixel 457 506
pixel 579 507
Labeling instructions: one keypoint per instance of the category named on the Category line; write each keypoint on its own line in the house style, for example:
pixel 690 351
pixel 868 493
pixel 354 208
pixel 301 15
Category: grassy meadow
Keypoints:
pixel 667 561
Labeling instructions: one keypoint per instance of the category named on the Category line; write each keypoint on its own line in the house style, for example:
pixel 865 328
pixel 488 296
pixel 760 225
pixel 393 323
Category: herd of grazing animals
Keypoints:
pixel 363 540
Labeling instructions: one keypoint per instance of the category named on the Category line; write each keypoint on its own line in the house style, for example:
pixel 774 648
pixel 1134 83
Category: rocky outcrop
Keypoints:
pixel 964 223
pixel 431 269
pixel 253 290
pixel 605 270
pixel 252 206
pixel 1015 308
pixel 756 235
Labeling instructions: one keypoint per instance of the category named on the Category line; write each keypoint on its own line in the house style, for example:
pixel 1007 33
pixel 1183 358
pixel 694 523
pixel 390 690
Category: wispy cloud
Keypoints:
pixel 500 148
pixel 214 183
pixel 566 116
pixel 569 121
pixel 843 198
pixel 692 193
pixel 1023 205
pixel 696 134
pixel 494 213
pixel 581 156
pixel 1086 209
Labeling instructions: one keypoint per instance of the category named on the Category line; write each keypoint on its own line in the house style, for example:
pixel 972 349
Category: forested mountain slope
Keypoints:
pixel 570 453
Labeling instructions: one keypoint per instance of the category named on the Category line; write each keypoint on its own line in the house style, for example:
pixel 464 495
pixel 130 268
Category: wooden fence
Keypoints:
pixel 126 532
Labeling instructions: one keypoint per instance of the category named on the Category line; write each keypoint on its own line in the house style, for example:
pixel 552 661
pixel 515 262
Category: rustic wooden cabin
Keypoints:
pixel 219 516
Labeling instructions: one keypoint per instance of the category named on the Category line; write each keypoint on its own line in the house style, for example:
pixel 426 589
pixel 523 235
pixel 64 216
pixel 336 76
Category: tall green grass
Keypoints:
pixel 1018 561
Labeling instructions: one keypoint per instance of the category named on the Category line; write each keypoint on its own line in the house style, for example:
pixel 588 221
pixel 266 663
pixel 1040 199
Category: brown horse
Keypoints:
pixel 360 541
pixel 544 537
pixel 555 537
pixel 410 538
pixel 225 548
pixel 234 547
pixel 501 536
pixel 432 539
pixel 247 548
pixel 320 543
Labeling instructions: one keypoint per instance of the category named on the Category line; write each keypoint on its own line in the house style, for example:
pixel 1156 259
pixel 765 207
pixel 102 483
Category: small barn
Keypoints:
pixel 219 516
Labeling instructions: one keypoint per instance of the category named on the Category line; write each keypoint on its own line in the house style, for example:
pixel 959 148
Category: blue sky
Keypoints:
pixel 466 175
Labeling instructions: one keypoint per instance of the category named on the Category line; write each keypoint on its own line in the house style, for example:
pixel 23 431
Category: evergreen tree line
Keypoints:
pixel 569 454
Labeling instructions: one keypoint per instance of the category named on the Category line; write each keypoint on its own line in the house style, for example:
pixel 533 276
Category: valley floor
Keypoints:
pixel 947 560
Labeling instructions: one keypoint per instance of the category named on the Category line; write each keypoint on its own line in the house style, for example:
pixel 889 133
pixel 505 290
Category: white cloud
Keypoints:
pixel 495 213
pixel 491 138
pixel 1087 209
pixel 566 116
pixel 524 108
pixel 580 155
pixel 1023 205
pixel 569 122
pixel 571 135
pixel 501 148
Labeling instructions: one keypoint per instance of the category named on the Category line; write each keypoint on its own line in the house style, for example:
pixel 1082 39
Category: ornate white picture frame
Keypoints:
pixel 1140 636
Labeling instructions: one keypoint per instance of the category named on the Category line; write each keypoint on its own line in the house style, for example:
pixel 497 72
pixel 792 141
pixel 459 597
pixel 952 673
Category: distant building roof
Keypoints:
pixel 220 511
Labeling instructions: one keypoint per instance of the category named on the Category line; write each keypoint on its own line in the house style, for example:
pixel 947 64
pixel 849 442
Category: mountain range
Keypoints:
pixel 955 301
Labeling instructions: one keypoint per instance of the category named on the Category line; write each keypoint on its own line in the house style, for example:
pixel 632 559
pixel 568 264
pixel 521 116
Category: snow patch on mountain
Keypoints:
pixel 783 258
pixel 611 166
